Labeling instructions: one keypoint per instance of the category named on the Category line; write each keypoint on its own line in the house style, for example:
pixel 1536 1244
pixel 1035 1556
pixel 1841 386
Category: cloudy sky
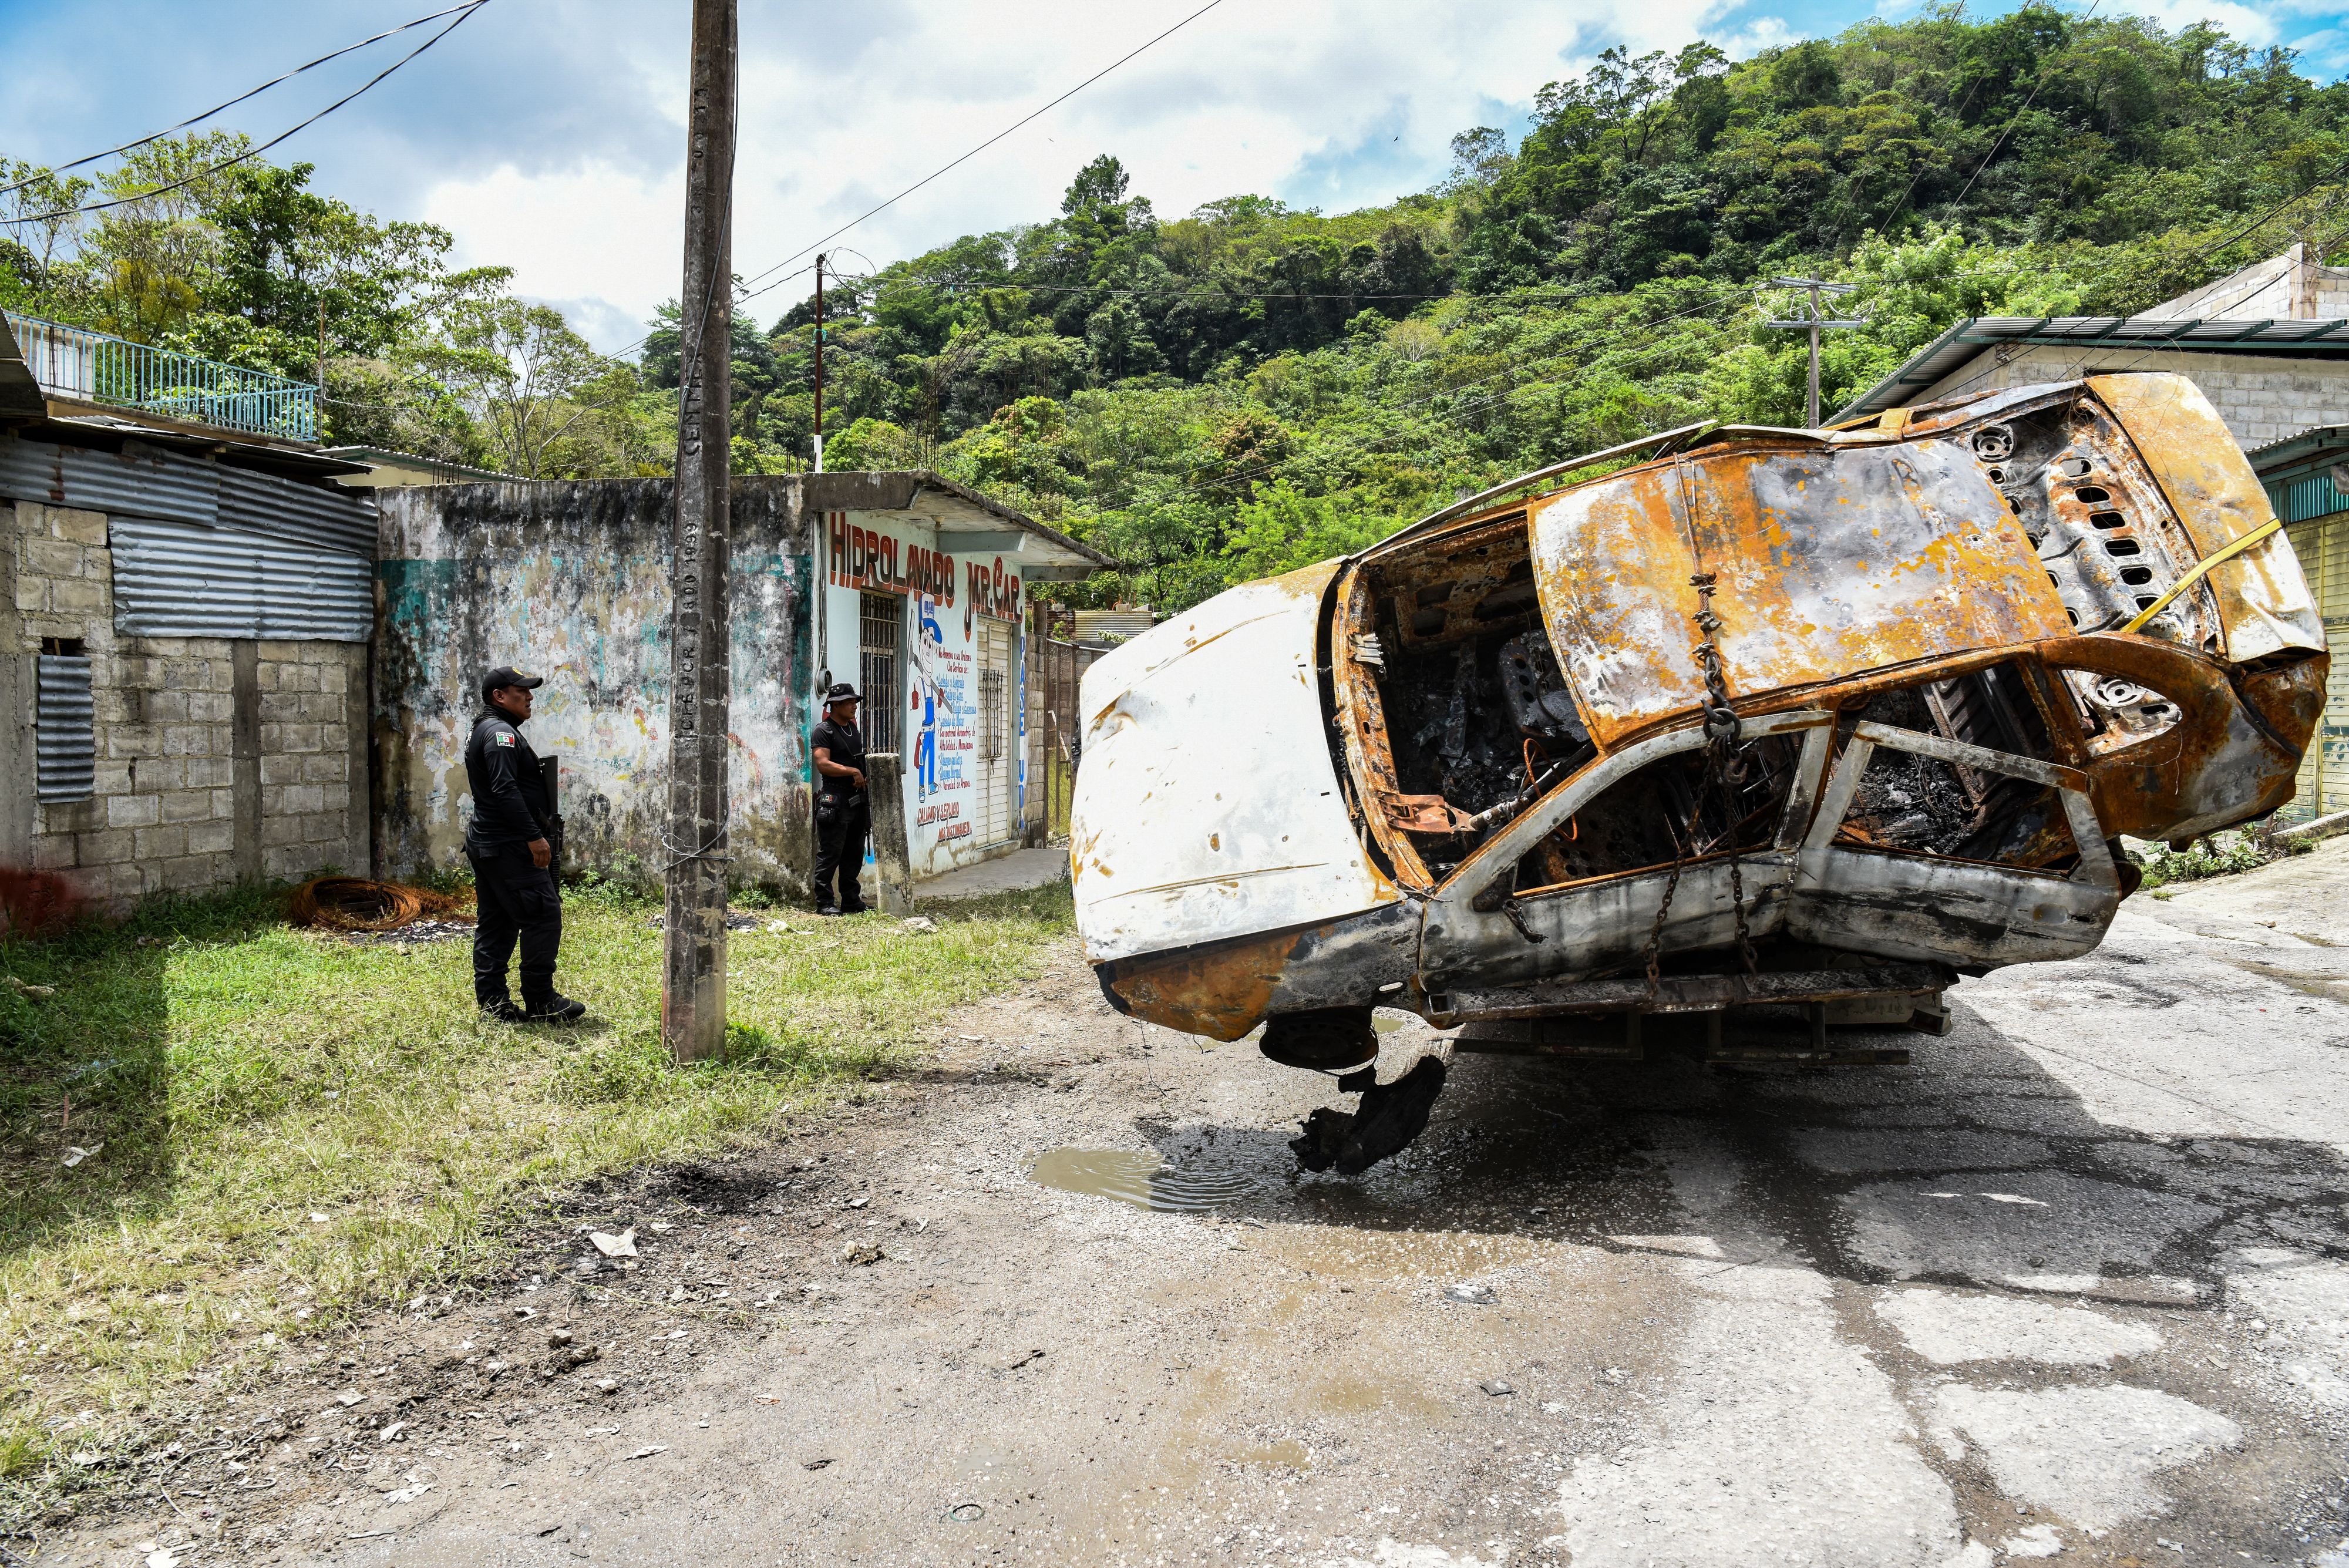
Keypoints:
pixel 547 134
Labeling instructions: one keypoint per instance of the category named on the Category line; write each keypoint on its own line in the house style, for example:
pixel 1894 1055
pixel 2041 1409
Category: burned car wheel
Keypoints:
pixel 1325 1040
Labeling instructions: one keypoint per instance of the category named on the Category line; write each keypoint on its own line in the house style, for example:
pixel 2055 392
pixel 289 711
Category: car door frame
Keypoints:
pixel 1901 904
pixel 1470 939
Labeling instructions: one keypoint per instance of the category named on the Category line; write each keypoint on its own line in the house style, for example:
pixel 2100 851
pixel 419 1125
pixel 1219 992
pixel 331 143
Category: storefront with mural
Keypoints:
pixel 931 637
pixel 927 619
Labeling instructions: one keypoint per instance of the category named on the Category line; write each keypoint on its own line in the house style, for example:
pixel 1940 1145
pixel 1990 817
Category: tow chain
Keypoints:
pixel 1726 768
pixel 1656 931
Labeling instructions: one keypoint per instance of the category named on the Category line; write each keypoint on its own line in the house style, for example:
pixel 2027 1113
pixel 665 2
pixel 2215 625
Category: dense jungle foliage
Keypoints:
pixel 1250 387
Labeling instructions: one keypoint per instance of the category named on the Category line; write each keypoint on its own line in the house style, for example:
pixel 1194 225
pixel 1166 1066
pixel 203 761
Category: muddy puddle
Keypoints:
pixel 1142 1179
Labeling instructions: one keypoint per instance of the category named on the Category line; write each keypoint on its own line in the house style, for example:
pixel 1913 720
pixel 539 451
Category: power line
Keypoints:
pixel 2035 86
pixel 1729 293
pixel 464 14
pixel 257 92
pixel 982 147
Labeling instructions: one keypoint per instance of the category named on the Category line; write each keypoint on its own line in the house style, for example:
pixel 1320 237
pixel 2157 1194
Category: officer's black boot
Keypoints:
pixel 554 1008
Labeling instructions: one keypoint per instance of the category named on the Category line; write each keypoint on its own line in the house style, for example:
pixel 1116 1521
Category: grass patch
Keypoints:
pixel 2220 855
pixel 285 1127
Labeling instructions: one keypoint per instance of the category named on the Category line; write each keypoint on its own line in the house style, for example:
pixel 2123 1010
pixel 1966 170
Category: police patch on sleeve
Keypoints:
pixel 504 737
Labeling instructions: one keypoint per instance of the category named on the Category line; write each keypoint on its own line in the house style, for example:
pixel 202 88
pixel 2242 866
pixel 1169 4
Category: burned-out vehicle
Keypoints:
pixel 1767 719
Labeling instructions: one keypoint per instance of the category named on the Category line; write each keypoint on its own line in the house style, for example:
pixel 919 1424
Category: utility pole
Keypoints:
pixel 693 979
pixel 819 364
pixel 1817 320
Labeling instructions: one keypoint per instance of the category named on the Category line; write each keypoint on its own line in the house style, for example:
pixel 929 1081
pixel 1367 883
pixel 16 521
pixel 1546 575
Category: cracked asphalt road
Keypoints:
pixel 2072 1285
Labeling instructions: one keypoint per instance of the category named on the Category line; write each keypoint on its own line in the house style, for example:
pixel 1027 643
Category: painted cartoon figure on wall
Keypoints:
pixel 927 692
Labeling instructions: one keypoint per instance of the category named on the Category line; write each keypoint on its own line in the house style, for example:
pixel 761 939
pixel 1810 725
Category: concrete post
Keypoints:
pixel 893 867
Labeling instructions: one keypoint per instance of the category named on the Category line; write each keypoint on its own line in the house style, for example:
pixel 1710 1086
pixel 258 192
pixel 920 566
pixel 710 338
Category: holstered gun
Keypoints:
pixel 549 778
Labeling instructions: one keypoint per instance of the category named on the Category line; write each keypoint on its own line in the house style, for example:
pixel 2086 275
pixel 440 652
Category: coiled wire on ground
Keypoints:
pixel 357 904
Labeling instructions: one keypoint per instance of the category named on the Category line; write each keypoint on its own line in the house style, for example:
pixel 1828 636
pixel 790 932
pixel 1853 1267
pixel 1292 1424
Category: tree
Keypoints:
pixel 528 380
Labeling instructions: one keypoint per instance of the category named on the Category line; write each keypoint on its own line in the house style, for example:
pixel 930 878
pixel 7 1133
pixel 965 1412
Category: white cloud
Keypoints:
pixel 602 242
pixel 1325 104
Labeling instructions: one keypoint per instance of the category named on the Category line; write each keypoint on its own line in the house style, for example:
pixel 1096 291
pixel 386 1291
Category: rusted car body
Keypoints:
pixel 1825 718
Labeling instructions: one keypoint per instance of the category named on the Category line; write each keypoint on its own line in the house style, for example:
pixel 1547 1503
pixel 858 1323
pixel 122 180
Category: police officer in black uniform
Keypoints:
pixel 510 845
pixel 844 810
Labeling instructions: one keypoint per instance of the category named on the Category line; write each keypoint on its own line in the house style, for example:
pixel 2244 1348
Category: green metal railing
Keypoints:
pixel 74 362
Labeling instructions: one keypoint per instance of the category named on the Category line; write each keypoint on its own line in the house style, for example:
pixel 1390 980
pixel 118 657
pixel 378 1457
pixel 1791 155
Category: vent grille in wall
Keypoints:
pixel 66 745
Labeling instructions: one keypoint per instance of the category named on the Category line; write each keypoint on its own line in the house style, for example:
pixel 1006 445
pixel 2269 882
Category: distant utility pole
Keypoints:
pixel 693 981
pixel 819 364
pixel 1816 321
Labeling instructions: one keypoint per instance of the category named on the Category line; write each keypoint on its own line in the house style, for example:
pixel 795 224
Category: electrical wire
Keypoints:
pixel 1729 293
pixel 1913 179
pixel 257 92
pixel 2019 113
pixel 465 14
pixel 982 147
pixel 2143 354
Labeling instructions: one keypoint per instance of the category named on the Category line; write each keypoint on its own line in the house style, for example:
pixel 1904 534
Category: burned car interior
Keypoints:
pixel 1815 722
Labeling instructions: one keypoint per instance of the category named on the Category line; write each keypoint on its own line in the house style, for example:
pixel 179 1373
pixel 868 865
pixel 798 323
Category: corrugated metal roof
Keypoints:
pixel 152 483
pixel 2319 339
pixel 65 744
pixel 143 484
pixel 173 580
pixel 1092 624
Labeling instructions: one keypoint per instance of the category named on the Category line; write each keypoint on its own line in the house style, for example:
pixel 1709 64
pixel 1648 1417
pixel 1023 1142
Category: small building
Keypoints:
pixel 186 599
pixel 905 583
pixel 2268 345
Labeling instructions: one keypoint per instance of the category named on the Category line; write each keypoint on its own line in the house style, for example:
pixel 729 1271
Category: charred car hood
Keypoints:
pixel 1207 806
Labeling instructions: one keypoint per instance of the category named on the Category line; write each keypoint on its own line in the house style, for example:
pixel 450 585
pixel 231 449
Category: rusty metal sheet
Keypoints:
pixel 2223 761
pixel 1223 990
pixel 1830 561
pixel 1208 806
pixel 2264 604
pixel 1611 563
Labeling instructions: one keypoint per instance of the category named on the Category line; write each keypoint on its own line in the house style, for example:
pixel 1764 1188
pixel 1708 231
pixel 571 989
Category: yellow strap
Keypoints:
pixel 2202 566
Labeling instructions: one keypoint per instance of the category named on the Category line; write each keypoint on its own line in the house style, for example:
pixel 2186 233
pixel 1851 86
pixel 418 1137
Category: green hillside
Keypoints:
pixel 1216 395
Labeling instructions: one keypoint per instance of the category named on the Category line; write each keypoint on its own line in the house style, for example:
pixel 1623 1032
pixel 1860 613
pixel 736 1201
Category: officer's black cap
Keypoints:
pixel 507 675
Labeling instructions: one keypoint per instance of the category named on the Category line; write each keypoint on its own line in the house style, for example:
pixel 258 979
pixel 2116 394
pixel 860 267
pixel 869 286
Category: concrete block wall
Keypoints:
pixel 2262 398
pixel 218 760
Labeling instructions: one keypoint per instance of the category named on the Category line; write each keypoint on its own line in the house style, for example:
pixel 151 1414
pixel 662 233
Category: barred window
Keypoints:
pixel 880 617
pixel 990 715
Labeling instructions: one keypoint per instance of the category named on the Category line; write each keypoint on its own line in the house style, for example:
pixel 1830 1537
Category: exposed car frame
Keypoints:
pixel 1812 718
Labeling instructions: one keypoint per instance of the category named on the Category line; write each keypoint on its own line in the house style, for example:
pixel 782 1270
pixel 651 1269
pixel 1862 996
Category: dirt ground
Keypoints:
pixel 2073 1283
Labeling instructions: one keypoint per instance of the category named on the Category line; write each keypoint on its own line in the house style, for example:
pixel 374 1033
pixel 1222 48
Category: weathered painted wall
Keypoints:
pixel 570 580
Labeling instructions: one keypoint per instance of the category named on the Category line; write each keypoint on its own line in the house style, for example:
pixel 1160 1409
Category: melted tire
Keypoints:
pixel 1324 1040
pixel 1391 1116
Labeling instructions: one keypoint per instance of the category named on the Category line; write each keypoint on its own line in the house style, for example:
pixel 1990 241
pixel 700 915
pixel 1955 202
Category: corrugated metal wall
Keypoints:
pixel 203 550
pixel 172 580
pixel 151 485
pixel 180 490
pixel 315 515
pixel 2312 495
pixel 2321 543
pixel 64 746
